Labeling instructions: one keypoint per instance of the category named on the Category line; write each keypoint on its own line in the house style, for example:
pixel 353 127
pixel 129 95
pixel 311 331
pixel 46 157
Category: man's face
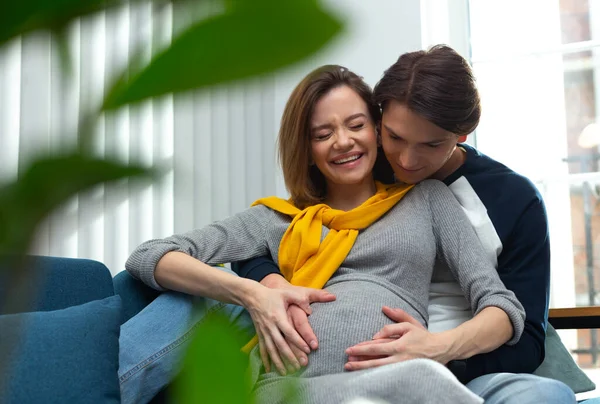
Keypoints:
pixel 416 148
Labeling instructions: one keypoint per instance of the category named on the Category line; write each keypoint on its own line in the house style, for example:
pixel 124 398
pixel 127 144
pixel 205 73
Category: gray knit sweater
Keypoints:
pixel 390 264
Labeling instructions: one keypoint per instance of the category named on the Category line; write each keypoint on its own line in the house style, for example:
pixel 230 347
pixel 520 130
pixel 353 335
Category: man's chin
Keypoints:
pixel 410 180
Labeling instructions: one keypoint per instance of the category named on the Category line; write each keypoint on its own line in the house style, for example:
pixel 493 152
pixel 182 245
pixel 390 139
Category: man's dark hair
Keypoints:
pixel 437 84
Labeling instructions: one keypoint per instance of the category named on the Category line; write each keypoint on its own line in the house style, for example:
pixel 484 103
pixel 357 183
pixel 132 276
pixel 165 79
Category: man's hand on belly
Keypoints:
pixel 407 339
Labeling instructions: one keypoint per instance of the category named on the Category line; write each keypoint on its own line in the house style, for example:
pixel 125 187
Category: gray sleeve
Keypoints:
pixel 460 249
pixel 239 237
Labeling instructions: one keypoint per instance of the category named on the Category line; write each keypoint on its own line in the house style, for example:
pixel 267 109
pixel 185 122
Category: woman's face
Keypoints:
pixel 343 138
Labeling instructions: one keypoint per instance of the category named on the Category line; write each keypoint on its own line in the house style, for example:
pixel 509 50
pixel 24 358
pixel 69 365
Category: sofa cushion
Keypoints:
pixel 559 365
pixel 63 356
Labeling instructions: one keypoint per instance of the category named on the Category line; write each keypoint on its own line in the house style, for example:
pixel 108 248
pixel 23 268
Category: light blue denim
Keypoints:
pixel 511 388
pixel 152 343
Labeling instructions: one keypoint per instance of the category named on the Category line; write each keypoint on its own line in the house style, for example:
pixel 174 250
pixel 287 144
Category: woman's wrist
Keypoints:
pixel 247 293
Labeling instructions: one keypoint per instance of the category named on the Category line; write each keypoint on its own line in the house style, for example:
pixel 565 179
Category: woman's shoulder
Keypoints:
pixel 435 190
pixel 431 186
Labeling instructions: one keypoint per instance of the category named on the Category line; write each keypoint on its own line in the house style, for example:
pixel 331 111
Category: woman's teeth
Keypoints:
pixel 342 161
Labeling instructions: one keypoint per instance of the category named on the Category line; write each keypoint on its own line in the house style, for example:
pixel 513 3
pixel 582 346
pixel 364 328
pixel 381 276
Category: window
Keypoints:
pixel 537 64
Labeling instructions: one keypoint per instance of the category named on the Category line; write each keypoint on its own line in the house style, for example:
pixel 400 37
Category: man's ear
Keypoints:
pixel 462 139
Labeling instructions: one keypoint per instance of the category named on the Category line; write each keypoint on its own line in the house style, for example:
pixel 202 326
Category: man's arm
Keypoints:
pixel 255 268
pixel 524 267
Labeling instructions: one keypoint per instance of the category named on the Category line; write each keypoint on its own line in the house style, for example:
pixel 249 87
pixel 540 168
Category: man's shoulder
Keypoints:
pixel 493 181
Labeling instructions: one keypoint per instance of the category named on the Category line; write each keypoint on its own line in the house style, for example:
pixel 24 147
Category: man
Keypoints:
pixel 430 103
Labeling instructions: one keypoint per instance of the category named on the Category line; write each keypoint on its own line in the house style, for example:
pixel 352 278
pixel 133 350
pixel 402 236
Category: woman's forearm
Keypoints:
pixel 488 330
pixel 181 272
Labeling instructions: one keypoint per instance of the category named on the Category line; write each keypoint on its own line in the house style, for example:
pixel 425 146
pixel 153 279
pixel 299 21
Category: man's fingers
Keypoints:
pixel 393 330
pixel 300 355
pixel 370 350
pixel 368 364
pixel 376 341
pixel 323 296
pixel 292 335
pixel 364 358
pixel 299 319
pixel 400 316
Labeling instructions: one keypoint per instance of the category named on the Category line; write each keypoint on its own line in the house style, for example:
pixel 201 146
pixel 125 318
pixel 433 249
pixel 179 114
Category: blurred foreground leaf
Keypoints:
pixel 18 17
pixel 249 39
pixel 214 369
pixel 47 183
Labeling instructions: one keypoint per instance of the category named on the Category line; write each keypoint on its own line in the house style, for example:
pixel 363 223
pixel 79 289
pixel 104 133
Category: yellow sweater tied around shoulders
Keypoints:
pixel 306 261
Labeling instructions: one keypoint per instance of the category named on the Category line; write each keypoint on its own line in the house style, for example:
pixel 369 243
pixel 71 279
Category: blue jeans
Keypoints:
pixel 510 388
pixel 152 343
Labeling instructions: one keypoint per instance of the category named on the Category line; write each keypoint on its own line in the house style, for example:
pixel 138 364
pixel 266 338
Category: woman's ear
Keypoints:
pixel 462 139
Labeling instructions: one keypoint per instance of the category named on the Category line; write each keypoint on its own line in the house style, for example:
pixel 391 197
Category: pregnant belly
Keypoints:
pixel 355 316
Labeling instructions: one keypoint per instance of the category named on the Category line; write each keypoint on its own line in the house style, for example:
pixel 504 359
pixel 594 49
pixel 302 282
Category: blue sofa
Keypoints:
pixel 81 294
pixel 70 347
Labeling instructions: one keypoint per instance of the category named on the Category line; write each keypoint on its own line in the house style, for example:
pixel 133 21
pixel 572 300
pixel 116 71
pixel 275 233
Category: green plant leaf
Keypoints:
pixel 44 185
pixel 24 16
pixel 214 368
pixel 20 17
pixel 248 39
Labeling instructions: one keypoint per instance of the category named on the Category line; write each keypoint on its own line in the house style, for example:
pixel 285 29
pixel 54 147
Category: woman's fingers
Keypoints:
pixel 274 355
pixel 264 356
pixel 292 335
pixel 284 350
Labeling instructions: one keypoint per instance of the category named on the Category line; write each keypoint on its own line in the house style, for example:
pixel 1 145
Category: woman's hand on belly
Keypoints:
pixel 407 339
pixel 297 316
pixel 268 309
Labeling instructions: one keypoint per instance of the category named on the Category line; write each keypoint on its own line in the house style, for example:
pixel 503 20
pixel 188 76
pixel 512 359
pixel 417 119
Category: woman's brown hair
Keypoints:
pixel 437 84
pixel 304 181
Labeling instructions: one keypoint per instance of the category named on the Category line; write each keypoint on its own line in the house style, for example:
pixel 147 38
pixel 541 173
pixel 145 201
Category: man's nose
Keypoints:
pixel 408 159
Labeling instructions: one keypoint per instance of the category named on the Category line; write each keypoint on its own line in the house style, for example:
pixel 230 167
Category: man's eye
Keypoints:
pixel 434 145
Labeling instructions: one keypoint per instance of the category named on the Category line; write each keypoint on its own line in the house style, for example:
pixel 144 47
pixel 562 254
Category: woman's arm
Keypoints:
pixel 499 316
pixel 180 263
pixel 242 236
pixel 461 250
pixel 267 306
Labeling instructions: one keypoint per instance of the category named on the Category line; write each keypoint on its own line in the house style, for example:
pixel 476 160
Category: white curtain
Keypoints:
pixel 217 146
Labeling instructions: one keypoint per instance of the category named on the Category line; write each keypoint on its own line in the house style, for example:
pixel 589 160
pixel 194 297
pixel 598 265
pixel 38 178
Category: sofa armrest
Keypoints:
pixel 56 283
pixel 134 294
pixel 575 317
